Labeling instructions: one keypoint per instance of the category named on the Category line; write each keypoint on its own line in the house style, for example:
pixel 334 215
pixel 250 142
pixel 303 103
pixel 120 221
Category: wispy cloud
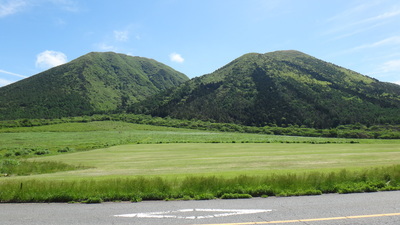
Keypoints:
pixel 13 74
pixel 388 70
pixel 391 66
pixel 121 36
pixel 387 41
pixel 49 59
pixel 354 10
pixel 105 47
pixel 67 5
pixel 175 57
pixel 390 41
pixel 4 82
pixel 11 7
pixel 361 18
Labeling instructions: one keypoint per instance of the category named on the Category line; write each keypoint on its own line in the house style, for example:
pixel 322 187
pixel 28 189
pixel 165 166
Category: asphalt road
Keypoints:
pixel 365 208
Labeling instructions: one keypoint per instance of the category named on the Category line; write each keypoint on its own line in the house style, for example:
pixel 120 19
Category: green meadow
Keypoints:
pixel 109 161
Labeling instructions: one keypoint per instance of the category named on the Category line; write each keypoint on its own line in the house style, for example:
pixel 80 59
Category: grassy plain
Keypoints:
pixel 169 162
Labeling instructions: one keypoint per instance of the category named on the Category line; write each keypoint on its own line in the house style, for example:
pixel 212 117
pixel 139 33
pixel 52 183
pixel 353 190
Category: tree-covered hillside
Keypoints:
pixel 94 83
pixel 283 87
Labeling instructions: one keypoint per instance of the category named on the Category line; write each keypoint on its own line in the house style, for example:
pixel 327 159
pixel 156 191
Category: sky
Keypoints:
pixel 196 37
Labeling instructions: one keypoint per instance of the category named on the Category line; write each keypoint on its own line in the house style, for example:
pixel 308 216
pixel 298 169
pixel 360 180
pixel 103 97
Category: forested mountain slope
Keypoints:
pixel 94 83
pixel 283 87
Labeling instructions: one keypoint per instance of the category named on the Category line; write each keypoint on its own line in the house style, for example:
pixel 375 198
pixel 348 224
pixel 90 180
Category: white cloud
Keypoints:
pixel 121 35
pixel 4 82
pixel 106 47
pixel 11 7
pixel 397 82
pixel 395 40
pixel 49 59
pixel 390 66
pixel 67 5
pixel 175 57
pixel 361 18
pixel 382 16
pixel 14 74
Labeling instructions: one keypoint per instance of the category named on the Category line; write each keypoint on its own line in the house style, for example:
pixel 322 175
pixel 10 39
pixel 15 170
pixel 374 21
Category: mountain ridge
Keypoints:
pixel 277 88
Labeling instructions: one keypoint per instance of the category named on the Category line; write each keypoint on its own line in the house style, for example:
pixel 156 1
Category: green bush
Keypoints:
pixel 42 152
pixel 66 149
pixel 235 196
pixel 8 166
pixel 136 199
pixel 204 196
pixel 9 154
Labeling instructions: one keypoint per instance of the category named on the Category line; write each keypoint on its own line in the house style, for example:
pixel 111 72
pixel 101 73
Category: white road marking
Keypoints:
pixel 219 213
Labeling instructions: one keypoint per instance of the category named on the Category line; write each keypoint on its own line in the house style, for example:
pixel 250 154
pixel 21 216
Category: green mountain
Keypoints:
pixel 283 87
pixel 94 83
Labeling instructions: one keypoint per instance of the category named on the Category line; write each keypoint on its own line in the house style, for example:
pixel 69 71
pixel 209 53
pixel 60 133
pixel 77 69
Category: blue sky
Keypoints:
pixel 197 37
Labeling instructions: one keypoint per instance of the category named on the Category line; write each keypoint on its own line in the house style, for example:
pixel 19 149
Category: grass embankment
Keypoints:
pixel 193 165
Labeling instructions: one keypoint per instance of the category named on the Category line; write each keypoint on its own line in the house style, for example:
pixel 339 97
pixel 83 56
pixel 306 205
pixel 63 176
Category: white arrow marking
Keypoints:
pixel 168 214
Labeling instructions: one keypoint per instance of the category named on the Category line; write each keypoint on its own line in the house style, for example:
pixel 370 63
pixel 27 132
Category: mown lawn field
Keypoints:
pixel 224 159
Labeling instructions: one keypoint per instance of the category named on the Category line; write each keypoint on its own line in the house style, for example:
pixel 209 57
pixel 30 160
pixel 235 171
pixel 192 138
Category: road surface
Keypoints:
pixel 365 208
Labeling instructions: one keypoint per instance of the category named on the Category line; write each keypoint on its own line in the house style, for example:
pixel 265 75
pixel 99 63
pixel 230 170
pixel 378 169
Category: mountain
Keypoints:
pixel 280 88
pixel 93 83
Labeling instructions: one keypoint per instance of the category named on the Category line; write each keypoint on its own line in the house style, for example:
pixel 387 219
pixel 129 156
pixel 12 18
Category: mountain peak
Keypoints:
pixel 281 87
pixel 93 83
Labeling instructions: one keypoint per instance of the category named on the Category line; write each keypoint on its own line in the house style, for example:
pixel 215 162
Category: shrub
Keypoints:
pixel 136 199
pixel 9 154
pixel 235 196
pixel 93 200
pixel 66 149
pixel 7 166
pixel 42 152
pixel 205 196
pixel 22 152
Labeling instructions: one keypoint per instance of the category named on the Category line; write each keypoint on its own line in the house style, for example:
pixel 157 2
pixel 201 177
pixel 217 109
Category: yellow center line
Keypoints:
pixel 311 220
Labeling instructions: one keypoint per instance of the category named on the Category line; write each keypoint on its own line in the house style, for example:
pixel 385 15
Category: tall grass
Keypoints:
pixel 21 168
pixel 200 187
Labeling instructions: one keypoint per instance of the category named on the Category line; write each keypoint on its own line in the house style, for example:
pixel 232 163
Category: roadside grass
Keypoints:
pixel 203 187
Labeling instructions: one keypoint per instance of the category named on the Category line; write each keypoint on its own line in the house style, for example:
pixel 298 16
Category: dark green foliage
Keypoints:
pixel 42 152
pixel 96 82
pixel 343 131
pixel 280 88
